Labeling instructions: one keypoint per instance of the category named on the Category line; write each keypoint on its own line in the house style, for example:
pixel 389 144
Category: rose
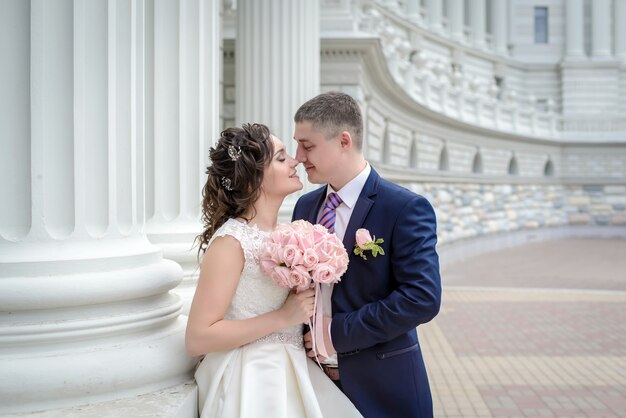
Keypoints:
pixel 299 277
pixel 339 262
pixel 305 240
pixel 267 266
pixel 274 252
pixel 365 242
pixel 324 273
pixel 310 259
pixel 286 237
pixel 281 276
pixel 325 249
pixel 363 237
pixel 300 226
pixel 292 255
pixel 319 233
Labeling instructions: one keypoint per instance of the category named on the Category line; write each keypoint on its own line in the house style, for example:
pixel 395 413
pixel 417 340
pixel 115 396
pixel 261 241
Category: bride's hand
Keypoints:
pixel 298 307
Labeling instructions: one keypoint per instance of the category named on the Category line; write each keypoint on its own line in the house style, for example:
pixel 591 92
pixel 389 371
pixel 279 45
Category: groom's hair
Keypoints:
pixel 332 113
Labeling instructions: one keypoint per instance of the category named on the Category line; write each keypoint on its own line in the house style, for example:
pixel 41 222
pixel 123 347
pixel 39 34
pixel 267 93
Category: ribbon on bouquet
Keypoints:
pixel 316 325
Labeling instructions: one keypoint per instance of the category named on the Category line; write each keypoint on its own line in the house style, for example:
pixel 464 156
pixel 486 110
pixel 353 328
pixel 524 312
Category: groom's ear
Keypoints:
pixel 345 140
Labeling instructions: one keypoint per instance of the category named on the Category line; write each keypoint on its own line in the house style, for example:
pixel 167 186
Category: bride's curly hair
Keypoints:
pixel 234 177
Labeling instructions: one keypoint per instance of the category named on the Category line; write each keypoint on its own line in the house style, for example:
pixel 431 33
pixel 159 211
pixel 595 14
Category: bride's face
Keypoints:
pixel 280 177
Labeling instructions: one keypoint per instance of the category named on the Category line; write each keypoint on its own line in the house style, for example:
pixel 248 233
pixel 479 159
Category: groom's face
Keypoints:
pixel 319 156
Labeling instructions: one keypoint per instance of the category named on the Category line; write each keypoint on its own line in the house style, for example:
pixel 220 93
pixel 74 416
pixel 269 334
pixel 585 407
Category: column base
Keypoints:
pixel 185 291
pixel 602 57
pixel 437 28
pixel 36 378
pixel 179 401
pixel 575 58
pixel 458 37
pixel 178 244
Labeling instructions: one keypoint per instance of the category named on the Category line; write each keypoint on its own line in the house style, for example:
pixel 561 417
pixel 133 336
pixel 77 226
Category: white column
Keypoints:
pixel 278 62
pixel 434 11
pixel 620 29
pixel 478 14
pixel 574 29
pixel 499 25
pixel 182 121
pixel 413 9
pixel 601 29
pixel 86 314
pixel 456 14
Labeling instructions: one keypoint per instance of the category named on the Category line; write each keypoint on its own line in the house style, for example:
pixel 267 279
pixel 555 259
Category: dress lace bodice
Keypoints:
pixel 256 293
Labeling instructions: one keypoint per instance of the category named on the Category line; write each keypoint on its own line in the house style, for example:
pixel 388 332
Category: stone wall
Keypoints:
pixel 470 210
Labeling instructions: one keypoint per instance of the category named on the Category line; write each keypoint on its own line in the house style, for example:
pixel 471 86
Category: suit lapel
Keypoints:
pixel 314 209
pixel 361 209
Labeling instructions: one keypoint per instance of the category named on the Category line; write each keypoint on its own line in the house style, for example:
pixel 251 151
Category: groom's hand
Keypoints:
pixel 308 341
pixel 308 346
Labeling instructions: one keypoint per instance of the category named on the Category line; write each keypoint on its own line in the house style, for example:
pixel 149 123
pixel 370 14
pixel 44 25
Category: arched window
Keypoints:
pixel 443 159
pixel 513 170
pixel 548 169
pixel 477 165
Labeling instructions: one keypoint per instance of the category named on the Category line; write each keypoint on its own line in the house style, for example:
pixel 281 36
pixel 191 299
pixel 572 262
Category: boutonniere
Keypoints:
pixel 364 242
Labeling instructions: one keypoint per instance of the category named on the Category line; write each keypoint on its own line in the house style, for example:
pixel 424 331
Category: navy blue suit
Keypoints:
pixel 380 301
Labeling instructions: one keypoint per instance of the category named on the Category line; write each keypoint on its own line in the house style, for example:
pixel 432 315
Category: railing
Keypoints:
pixel 438 80
pixel 441 85
pixel 600 125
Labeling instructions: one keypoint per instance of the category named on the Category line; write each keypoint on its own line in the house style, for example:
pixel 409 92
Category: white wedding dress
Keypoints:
pixel 272 376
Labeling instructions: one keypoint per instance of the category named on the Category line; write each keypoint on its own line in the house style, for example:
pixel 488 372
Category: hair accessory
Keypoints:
pixel 226 183
pixel 234 152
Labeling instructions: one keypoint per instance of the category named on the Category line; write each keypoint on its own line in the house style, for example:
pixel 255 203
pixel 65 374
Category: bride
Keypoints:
pixel 249 329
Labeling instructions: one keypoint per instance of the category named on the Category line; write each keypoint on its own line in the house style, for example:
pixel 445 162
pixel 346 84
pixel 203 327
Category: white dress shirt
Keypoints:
pixel 349 195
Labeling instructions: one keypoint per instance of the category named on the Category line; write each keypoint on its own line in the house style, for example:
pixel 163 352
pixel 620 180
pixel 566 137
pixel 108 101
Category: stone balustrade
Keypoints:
pixel 471 77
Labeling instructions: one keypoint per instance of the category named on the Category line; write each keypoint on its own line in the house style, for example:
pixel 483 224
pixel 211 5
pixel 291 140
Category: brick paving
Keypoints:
pixel 514 352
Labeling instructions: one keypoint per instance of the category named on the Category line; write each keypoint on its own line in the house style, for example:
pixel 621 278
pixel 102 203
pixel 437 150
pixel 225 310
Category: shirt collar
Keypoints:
pixel 349 193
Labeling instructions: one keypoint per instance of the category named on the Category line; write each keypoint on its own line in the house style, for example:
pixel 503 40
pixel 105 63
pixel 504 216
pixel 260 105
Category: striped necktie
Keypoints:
pixel 327 219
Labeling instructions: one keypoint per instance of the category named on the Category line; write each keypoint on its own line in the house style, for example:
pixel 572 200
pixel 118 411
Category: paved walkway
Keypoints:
pixel 502 347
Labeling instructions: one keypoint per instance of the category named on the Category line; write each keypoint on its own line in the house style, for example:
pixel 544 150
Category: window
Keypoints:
pixel 477 164
pixel 548 169
pixel 500 85
pixel 513 170
pixel 541 25
pixel 443 160
pixel 541 105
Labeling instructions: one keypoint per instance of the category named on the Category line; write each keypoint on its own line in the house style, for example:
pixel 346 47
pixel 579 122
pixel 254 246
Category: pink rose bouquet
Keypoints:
pixel 300 255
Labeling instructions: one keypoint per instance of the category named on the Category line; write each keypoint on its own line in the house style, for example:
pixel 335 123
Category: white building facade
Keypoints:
pixel 510 116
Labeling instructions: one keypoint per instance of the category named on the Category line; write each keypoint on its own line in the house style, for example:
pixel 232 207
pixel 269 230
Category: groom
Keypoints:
pixel 380 300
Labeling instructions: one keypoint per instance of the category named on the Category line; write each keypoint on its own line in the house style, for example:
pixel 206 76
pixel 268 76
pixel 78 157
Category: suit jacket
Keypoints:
pixel 380 301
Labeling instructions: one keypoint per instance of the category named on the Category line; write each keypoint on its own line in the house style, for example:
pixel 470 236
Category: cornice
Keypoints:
pixel 405 175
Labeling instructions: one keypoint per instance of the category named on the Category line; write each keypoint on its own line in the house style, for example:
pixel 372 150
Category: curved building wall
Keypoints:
pixel 480 181
pixel 492 162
